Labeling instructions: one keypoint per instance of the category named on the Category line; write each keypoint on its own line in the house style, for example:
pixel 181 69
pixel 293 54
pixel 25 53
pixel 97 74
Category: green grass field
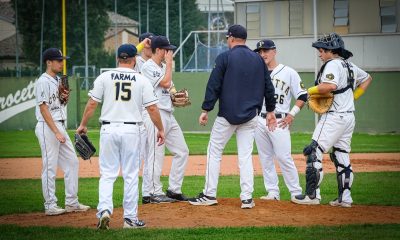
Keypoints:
pixel 367 231
pixel 21 196
pixel 25 144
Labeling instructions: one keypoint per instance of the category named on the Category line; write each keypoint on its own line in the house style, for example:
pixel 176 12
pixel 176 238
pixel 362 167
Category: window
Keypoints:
pixel 341 11
pixel 296 17
pixel 275 18
pixel 253 20
pixel 388 16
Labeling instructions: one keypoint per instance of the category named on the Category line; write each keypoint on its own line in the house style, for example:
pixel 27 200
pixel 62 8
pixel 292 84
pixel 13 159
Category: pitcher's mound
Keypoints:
pixel 226 214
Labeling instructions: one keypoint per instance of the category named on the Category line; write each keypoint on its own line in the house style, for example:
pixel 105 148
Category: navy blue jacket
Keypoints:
pixel 240 81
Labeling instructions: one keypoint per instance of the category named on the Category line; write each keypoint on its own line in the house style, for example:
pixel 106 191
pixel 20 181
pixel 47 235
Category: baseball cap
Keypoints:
pixel 237 31
pixel 126 51
pixel 53 54
pixel 146 35
pixel 161 42
pixel 265 44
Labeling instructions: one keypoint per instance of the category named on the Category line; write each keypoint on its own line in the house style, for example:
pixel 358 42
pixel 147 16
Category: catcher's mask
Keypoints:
pixel 330 41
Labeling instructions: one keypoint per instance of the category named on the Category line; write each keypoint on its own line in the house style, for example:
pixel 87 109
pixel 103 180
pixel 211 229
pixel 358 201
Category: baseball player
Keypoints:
pixel 160 76
pixel 145 53
pixel 55 144
pixel 335 128
pixel 123 93
pixel 287 84
pixel 239 81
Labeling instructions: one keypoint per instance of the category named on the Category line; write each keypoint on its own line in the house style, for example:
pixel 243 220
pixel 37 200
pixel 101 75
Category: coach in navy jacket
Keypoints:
pixel 240 81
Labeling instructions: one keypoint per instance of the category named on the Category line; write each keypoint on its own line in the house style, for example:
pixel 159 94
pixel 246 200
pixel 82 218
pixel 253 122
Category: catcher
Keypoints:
pixel 344 82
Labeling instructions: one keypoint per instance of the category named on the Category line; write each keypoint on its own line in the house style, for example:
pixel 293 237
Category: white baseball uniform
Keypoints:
pixel 139 64
pixel 145 180
pixel 277 143
pixel 123 92
pixel 54 153
pixel 174 139
pixel 335 128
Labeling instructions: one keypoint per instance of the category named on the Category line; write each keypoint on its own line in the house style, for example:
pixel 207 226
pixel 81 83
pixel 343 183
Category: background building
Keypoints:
pixel 370 29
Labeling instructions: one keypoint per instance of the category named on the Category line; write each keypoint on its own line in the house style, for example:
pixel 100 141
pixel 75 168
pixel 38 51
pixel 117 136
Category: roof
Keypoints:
pixel 6 11
pixel 7 46
pixel 110 32
pixel 121 21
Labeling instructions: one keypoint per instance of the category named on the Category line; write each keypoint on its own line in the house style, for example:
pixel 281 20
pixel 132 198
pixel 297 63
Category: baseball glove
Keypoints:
pixel 180 98
pixel 320 103
pixel 63 90
pixel 84 146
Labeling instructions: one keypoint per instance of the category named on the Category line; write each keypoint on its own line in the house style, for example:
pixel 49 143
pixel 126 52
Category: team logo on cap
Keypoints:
pixel 260 44
pixel 60 52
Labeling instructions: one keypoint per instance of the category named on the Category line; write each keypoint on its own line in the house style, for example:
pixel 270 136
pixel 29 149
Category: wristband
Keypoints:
pixel 295 110
pixel 313 90
pixel 204 111
pixel 358 92
pixel 140 47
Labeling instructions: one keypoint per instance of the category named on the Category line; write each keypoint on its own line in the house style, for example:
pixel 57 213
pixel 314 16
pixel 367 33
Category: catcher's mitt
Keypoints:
pixel 63 90
pixel 320 103
pixel 84 146
pixel 180 98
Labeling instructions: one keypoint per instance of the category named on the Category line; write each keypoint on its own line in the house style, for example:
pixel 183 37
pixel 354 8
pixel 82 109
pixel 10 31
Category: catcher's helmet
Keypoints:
pixel 330 41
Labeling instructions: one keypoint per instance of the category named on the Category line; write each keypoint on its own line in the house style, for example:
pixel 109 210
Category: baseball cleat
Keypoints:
pixel 104 221
pixel 271 197
pixel 53 211
pixel 146 200
pixel 177 196
pixel 305 200
pixel 161 199
pixel 203 200
pixel 248 204
pixel 77 208
pixel 336 203
pixel 128 223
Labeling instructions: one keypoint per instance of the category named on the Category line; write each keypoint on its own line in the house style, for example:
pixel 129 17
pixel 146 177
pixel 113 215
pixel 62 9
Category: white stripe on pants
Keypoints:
pixel 176 144
pixel 335 129
pixel 278 144
pixel 119 148
pixel 220 134
pixel 56 154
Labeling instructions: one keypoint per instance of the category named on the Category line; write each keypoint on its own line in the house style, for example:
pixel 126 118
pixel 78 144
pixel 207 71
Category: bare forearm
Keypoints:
pixel 44 110
pixel 89 111
pixel 155 117
pixel 299 103
pixel 167 80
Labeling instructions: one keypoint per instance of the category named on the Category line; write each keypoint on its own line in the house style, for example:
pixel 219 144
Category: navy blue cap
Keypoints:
pixel 146 35
pixel 161 42
pixel 265 44
pixel 127 51
pixel 237 31
pixel 53 54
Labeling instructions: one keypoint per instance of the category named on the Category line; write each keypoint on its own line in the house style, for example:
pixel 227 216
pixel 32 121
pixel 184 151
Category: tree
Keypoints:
pixel 192 19
pixel 30 18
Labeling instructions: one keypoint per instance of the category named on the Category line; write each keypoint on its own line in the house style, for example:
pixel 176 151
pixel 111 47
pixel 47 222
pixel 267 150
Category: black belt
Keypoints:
pixel 277 115
pixel 105 122
pixel 341 112
pixel 61 121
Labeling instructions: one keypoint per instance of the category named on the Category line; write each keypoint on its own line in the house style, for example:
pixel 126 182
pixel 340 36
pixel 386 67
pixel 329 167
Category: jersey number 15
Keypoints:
pixel 123 91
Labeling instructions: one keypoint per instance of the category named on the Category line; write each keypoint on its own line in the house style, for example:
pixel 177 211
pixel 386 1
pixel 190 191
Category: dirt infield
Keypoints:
pixel 228 211
pixel 226 214
pixel 20 168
